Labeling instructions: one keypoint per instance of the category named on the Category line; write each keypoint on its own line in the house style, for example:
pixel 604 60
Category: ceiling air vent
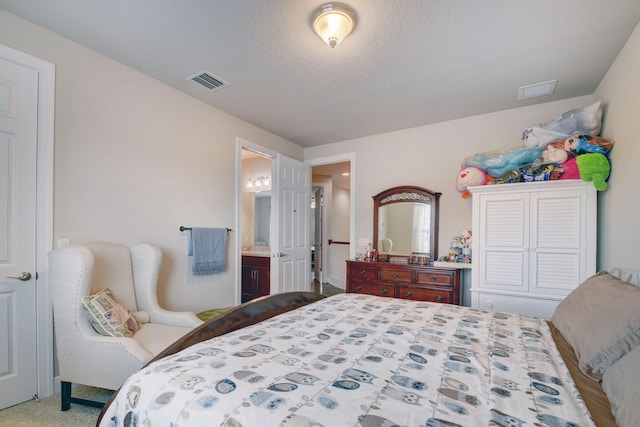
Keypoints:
pixel 208 80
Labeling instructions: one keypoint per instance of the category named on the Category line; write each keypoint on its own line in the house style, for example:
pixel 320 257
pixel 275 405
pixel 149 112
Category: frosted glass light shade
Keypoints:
pixel 333 22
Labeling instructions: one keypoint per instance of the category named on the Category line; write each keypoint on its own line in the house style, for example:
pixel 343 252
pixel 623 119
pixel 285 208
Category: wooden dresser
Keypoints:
pixel 408 281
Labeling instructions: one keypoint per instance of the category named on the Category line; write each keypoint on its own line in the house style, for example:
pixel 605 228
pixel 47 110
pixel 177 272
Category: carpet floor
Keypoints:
pixel 46 412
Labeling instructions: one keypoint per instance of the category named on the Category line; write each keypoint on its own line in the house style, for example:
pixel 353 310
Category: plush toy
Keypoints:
pixel 498 163
pixel 459 249
pixel 469 177
pixel 569 169
pixel 586 120
pixel 541 173
pixel 581 144
pixel 554 155
pixel 467 241
pixel 594 167
pixel 551 156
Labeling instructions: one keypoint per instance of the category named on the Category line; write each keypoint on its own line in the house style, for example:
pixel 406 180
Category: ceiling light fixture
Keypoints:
pixel 333 22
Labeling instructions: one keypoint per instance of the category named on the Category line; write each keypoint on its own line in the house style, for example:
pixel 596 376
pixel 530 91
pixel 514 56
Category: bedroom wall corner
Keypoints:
pixel 619 230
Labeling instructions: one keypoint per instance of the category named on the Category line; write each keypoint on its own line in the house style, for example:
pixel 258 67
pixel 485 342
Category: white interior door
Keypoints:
pixel 18 142
pixel 291 251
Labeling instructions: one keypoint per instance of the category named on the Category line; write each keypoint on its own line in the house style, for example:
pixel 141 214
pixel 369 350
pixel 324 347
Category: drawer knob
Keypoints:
pixel 433 278
pixel 439 298
pixel 358 288
pixel 396 275
pixel 384 292
pixel 363 272
pixel 408 294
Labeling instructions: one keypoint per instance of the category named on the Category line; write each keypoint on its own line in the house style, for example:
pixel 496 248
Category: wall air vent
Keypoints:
pixel 208 80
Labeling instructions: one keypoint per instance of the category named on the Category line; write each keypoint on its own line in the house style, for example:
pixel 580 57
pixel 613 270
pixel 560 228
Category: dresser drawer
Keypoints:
pixel 434 278
pixel 394 275
pixel 423 294
pixel 364 271
pixel 529 306
pixel 372 288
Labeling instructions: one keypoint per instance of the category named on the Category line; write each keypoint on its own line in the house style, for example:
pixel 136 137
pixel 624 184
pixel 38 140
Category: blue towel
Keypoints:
pixel 208 246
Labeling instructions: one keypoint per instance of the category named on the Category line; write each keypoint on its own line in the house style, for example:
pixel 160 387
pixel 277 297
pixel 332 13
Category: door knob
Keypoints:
pixel 281 254
pixel 24 276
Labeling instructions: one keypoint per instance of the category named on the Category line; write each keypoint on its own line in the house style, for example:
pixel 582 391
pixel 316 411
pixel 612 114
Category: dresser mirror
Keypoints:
pixel 405 223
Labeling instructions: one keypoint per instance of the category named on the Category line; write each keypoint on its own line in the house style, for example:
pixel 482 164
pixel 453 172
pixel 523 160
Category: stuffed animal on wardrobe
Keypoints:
pixel 468 177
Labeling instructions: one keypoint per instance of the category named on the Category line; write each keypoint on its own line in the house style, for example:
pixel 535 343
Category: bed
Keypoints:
pixel 362 360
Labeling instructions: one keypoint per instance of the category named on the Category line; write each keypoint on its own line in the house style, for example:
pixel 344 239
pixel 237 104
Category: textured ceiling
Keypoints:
pixel 408 63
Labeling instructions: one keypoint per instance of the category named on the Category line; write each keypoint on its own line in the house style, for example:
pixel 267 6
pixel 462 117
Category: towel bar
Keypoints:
pixel 183 228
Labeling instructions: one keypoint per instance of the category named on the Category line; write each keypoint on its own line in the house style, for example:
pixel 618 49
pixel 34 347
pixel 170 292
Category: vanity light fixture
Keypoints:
pixel 333 22
pixel 258 184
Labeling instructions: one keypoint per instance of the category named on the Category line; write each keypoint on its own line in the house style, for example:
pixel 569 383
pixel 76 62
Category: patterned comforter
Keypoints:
pixel 360 360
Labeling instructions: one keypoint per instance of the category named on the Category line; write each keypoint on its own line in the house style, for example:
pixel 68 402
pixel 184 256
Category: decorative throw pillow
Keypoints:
pixel 620 384
pixel 107 316
pixel 601 321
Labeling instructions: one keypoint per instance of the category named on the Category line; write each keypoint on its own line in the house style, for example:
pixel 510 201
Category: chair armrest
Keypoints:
pixel 146 260
pixel 186 319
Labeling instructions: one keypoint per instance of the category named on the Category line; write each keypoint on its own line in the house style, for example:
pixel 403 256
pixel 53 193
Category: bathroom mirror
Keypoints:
pixel 256 221
pixel 405 222
pixel 262 223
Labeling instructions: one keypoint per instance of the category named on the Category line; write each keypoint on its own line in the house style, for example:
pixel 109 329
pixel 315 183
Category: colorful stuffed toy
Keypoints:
pixel 582 144
pixel 594 167
pixel 586 120
pixel 500 162
pixel 543 167
pixel 569 170
pixel 469 177
pixel 509 177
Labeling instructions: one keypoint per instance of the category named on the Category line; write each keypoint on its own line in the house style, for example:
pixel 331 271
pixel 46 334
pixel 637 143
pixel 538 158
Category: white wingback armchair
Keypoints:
pixel 86 357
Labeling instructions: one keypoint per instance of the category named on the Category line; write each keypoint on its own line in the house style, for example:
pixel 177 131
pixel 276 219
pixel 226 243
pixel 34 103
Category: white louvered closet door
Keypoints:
pixel 504 238
pixel 558 238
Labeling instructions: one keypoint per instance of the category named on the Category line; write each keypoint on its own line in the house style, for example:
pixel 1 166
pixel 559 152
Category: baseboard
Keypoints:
pixel 337 282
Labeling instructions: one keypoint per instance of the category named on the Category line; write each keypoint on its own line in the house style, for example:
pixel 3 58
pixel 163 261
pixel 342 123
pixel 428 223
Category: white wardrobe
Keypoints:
pixel 533 243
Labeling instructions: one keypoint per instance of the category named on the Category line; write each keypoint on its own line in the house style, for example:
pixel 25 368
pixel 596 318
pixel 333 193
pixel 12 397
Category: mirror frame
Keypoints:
pixel 409 193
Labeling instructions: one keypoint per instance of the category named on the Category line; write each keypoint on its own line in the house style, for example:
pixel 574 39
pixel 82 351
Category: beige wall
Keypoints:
pixel 430 156
pixel 619 231
pixel 135 159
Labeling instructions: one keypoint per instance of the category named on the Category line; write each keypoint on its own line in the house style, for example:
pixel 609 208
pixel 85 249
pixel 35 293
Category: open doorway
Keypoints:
pixel 287 246
pixel 331 224
pixel 255 224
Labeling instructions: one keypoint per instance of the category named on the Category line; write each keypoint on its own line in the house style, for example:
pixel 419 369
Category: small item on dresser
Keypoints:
pixel 371 254
pixel 419 259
